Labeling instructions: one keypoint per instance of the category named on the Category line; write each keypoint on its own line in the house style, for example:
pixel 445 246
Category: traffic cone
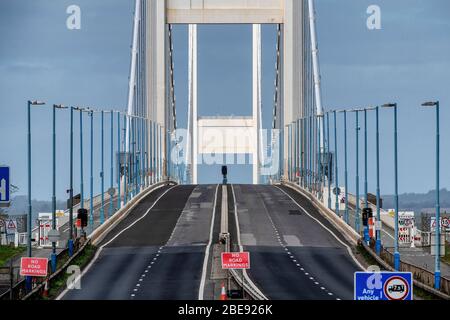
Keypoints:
pixel 45 292
pixel 223 293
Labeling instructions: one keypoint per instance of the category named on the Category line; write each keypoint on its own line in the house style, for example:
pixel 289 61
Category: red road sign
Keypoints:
pixel 35 267
pixel 235 260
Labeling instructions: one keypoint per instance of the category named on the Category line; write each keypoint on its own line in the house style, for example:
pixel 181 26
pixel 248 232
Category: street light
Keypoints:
pixel 29 218
pixel 53 256
pixel 112 164
pixel 378 228
pixel 118 161
pixel 91 178
pixel 336 180
pixel 328 160
pixel 366 200
pixel 396 249
pixel 70 242
pixel 345 165
pixel 437 271
pixel 320 120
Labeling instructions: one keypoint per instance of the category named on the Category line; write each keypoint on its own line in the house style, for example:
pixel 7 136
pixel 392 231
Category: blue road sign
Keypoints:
pixel 383 286
pixel 4 186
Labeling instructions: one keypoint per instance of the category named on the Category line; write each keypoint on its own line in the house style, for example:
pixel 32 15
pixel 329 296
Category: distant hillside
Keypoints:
pixel 19 205
pixel 418 202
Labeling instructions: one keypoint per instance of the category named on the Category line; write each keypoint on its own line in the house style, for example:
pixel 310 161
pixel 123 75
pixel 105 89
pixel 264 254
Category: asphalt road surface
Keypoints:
pixel 293 256
pixel 156 256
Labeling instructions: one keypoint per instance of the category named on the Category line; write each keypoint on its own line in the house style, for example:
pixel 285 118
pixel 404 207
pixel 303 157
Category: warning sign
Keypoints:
pixel 235 260
pixel 34 267
pixel 11 226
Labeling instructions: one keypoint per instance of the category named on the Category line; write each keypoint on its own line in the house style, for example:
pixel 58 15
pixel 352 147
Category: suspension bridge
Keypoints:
pixel 160 234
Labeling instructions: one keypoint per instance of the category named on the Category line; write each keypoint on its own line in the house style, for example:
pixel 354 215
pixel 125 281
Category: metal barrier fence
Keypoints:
pixel 420 274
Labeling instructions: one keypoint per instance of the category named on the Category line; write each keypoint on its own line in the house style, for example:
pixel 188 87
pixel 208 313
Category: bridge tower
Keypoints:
pixel 292 16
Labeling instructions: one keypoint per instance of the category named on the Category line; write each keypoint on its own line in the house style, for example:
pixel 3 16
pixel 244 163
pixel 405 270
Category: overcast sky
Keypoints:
pixel 407 61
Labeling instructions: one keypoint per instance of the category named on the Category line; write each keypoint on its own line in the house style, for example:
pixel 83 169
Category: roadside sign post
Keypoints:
pixel 383 286
pixel 4 187
pixel 236 260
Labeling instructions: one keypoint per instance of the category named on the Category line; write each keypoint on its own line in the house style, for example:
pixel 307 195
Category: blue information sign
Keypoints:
pixel 4 185
pixel 383 286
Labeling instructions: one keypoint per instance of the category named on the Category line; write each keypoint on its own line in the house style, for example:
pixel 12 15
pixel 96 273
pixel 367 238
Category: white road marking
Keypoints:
pixel 326 228
pixel 115 237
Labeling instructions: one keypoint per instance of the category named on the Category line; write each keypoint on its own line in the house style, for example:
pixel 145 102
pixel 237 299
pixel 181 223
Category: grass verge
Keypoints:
pixel 59 284
pixel 446 258
pixel 8 252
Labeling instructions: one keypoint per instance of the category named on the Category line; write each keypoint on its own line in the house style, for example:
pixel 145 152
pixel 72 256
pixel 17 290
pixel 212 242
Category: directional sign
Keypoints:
pixel 34 267
pixel 4 187
pixel 235 260
pixel 383 286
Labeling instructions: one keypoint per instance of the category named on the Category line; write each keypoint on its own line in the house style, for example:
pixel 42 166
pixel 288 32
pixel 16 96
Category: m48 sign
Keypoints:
pixel 383 286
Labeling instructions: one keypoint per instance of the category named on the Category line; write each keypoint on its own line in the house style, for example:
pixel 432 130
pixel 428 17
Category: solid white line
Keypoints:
pixel 201 290
pixel 323 226
pixel 101 248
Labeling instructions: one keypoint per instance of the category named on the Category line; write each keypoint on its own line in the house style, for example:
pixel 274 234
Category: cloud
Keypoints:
pixel 21 67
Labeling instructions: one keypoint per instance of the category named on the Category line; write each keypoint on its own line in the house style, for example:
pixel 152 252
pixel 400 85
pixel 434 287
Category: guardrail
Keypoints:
pixel 19 289
pixel 423 279
pixel 248 286
pixel 37 292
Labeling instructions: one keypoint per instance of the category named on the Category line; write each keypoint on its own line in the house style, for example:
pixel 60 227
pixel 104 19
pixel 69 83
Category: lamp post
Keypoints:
pixel 336 180
pixel 81 160
pixel 91 180
pixel 378 230
pixel 319 120
pixel 366 200
pixel 70 241
pixel 345 166
pixel 112 164
pixel 118 161
pixel 29 217
pixel 396 249
pixel 437 270
pixel 357 219
pixel 328 161
pixel 53 255
pixel 102 174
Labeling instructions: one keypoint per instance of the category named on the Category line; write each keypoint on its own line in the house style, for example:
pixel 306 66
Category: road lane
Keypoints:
pixel 292 255
pixel 160 256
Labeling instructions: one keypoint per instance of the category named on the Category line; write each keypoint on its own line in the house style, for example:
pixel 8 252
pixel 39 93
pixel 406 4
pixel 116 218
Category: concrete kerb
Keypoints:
pixel 351 235
pixel 100 233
